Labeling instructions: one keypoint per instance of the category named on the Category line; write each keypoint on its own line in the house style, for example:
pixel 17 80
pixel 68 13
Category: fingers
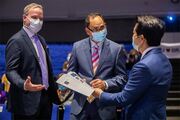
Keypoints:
pixel 37 87
pixel 28 80
pixel 97 83
pixel 32 87
pixel 94 83
pixel 28 77
pixel 97 92
pixel 27 83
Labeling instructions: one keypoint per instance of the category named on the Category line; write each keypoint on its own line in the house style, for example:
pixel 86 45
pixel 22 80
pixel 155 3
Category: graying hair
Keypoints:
pixel 30 6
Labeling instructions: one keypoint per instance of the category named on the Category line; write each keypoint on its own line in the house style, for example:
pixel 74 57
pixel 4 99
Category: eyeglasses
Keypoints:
pixel 97 29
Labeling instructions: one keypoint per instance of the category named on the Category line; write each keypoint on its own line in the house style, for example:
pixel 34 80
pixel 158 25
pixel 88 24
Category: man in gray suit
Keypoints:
pixel 102 63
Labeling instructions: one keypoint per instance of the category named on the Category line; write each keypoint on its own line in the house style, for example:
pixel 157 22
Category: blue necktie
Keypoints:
pixel 42 62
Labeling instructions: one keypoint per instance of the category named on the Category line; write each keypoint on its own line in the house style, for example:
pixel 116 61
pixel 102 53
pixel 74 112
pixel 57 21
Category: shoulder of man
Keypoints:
pixel 82 42
pixel 114 44
pixel 17 37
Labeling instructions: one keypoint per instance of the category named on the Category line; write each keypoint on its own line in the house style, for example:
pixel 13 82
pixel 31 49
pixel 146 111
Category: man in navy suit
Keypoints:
pixel 145 93
pixel 102 63
pixel 28 68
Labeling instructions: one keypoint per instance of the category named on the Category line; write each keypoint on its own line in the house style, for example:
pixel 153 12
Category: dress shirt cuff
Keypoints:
pixel 106 85
pixel 100 95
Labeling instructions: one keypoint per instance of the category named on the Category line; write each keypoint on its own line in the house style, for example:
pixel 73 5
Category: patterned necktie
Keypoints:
pixel 42 62
pixel 95 57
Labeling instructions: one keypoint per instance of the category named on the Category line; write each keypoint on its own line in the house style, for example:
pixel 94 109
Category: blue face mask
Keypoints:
pixel 99 36
pixel 134 45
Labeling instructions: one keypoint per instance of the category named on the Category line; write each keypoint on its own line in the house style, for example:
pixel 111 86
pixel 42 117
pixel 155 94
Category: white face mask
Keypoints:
pixel 35 25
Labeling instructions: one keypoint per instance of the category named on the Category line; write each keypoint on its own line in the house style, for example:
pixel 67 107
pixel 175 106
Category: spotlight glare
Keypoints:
pixel 171 18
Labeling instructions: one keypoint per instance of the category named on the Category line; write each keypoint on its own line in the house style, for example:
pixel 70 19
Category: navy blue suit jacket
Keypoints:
pixel 111 68
pixel 146 90
pixel 22 61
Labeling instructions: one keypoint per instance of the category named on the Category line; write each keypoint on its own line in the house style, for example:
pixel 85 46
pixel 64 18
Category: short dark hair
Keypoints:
pixel 151 28
pixel 92 15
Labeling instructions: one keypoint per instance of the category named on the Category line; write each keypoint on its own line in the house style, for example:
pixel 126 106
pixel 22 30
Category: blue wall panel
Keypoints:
pixel 58 53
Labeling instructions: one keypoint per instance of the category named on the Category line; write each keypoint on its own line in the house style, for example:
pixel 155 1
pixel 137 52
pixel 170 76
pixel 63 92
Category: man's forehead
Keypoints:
pixel 96 21
pixel 35 11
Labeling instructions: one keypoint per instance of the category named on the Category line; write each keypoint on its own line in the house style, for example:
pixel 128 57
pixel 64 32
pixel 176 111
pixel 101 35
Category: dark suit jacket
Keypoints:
pixel 22 61
pixel 146 90
pixel 111 68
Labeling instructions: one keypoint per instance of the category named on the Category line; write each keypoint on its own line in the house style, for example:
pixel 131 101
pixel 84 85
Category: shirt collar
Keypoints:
pixel 147 50
pixel 30 34
pixel 95 44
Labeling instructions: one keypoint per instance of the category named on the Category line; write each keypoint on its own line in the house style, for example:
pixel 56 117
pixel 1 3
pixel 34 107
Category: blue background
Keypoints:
pixel 58 53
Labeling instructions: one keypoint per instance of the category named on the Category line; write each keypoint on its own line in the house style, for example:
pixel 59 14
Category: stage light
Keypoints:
pixel 171 18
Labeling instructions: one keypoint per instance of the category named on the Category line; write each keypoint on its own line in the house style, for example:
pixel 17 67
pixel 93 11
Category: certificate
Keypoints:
pixel 74 82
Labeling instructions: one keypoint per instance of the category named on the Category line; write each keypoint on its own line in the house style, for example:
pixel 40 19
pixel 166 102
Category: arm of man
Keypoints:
pixel 117 82
pixel 73 63
pixel 13 52
pixel 136 86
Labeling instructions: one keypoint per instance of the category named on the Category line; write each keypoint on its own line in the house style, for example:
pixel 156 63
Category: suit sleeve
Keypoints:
pixel 117 82
pixel 73 63
pixel 138 83
pixel 13 52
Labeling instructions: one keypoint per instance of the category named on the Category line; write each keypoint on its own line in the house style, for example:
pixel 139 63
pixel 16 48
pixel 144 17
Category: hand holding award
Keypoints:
pixel 74 82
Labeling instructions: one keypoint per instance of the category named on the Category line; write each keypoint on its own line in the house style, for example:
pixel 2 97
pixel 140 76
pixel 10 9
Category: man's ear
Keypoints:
pixel 88 32
pixel 26 22
pixel 24 17
pixel 142 37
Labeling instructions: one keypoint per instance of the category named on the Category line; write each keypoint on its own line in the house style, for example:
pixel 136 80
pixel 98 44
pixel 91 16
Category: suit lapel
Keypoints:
pixel 105 52
pixel 30 44
pixel 87 52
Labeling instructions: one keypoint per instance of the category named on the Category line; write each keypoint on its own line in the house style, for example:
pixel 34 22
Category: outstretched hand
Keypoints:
pixel 32 87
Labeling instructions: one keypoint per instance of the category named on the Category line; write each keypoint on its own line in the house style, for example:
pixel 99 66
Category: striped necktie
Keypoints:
pixel 95 57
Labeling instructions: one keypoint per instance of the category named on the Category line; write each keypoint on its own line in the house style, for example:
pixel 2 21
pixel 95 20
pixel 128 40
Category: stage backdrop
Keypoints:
pixel 58 54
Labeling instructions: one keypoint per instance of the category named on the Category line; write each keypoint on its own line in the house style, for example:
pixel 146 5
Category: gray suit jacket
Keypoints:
pixel 111 69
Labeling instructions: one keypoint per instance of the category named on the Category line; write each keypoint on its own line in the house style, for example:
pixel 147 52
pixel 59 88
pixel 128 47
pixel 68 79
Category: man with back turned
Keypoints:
pixel 144 95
